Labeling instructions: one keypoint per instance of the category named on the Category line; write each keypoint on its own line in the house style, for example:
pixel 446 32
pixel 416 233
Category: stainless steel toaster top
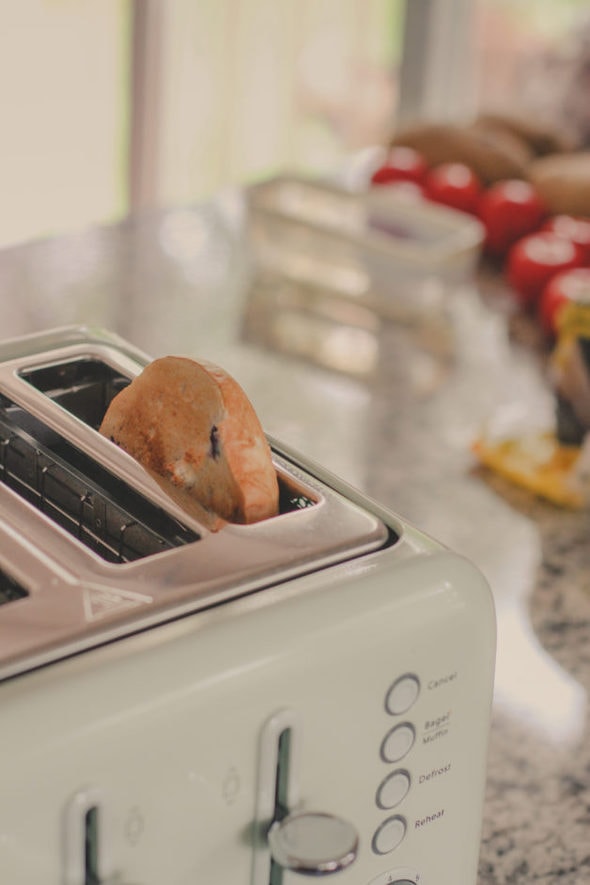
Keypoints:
pixel 92 548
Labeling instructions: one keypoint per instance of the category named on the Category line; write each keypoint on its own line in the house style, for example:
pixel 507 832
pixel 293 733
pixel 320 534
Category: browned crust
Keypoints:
pixel 193 426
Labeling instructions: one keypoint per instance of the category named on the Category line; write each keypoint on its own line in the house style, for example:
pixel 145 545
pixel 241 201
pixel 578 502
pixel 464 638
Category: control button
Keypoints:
pixel 389 835
pixel 398 742
pixel 393 789
pixel 402 694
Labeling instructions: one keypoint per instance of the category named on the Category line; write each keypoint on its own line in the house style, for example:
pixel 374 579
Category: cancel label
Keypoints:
pixel 436 772
pixel 441 680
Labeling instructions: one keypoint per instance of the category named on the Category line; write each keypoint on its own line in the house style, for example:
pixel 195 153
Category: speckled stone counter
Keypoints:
pixel 398 424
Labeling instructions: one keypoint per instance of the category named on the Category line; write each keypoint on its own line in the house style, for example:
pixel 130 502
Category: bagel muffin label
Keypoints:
pixel 436 728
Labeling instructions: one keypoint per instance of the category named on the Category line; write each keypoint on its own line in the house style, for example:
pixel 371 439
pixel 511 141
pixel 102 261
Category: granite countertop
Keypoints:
pixel 393 409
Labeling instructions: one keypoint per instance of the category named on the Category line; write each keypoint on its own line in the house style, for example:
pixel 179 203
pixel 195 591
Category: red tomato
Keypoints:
pixel 401 164
pixel 455 185
pixel 575 229
pixel 509 210
pixel 569 285
pixel 534 259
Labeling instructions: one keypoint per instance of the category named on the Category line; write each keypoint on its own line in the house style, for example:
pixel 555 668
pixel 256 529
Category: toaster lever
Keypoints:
pixel 289 838
pixel 313 843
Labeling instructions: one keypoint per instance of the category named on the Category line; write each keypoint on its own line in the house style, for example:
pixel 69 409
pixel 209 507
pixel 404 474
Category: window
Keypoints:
pixel 63 95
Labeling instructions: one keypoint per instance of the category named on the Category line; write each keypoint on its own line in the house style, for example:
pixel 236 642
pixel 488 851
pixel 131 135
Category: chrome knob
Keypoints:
pixel 313 843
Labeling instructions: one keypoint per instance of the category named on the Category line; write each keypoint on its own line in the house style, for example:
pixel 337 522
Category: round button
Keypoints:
pixel 389 835
pixel 393 789
pixel 402 694
pixel 398 742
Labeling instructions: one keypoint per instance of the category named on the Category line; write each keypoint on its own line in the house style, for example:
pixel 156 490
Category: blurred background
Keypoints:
pixel 112 106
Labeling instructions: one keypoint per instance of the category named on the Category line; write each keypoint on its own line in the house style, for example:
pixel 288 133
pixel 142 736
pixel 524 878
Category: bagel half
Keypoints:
pixel 191 424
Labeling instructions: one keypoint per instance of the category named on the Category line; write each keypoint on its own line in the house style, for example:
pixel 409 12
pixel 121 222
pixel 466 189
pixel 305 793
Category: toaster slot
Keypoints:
pixel 10 591
pixel 88 524
pixel 85 387
pixel 84 498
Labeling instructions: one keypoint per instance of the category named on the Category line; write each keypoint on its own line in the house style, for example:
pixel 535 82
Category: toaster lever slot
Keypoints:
pixel 87 841
pixel 86 844
pixel 278 781
pixel 286 837
pixel 91 853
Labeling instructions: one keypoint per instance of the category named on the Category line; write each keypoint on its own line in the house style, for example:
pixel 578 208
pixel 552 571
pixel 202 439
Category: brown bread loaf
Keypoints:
pixel 541 138
pixel 492 155
pixel 563 181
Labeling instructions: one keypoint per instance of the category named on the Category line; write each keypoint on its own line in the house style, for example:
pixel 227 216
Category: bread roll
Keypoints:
pixel 492 155
pixel 193 426
pixel 541 138
pixel 563 181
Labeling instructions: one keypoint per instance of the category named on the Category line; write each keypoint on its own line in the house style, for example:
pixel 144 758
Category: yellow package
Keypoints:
pixel 539 463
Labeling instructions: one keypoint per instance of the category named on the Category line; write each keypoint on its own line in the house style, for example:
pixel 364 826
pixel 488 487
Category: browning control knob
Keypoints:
pixel 313 843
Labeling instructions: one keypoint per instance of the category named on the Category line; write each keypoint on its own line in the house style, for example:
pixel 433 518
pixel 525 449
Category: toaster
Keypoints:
pixel 306 696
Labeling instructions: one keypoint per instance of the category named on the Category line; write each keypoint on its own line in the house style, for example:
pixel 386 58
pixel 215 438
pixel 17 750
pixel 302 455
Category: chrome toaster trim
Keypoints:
pixel 74 599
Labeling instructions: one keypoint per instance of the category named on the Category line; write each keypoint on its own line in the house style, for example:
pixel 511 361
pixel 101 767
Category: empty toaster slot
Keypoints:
pixel 10 591
pixel 85 387
pixel 81 496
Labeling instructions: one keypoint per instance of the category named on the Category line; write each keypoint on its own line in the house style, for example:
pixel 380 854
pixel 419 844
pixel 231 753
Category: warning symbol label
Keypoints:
pixel 102 601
